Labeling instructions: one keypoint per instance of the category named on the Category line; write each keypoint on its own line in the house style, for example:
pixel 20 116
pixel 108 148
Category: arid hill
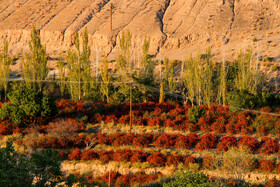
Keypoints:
pixel 176 28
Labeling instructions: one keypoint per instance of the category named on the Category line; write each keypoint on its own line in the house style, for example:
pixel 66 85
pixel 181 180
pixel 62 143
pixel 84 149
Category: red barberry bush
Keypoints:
pixel 250 142
pixel 269 146
pixel 266 165
pixel 75 155
pixel 226 143
pixel 174 160
pixel 207 141
pixel 157 159
pixel 187 142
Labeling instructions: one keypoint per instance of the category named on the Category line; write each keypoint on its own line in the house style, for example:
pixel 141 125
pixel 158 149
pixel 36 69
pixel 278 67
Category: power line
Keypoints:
pixel 175 95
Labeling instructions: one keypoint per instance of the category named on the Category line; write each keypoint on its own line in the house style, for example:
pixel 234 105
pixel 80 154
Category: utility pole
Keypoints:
pixel 111 17
pixel 130 110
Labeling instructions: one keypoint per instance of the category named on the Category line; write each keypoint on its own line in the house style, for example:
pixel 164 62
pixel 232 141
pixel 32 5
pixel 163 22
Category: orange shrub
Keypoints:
pixel 156 159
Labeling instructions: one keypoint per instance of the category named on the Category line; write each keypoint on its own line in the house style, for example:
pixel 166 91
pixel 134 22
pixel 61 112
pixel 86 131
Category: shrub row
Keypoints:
pixel 266 146
pixel 117 179
pixel 157 159
pixel 127 155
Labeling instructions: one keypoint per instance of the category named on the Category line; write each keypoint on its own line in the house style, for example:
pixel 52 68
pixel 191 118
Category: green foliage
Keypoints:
pixel 15 169
pixel 248 76
pixel 62 76
pixel 20 170
pixel 27 102
pixel 78 66
pixel 195 113
pixel 5 62
pixel 269 99
pixel 47 167
pixel 106 78
pixel 189 179
pixel 168 79
pixel 242 99
pixel 35 63
pixel 237 161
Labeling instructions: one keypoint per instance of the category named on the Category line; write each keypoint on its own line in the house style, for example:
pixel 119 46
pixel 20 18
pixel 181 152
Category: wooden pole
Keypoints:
pixel 130 110
pixel 111 17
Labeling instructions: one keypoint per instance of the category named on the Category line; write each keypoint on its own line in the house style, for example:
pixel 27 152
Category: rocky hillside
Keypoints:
pixel 176 28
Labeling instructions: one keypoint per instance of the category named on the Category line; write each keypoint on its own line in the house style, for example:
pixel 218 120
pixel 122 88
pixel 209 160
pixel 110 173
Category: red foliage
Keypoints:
pixel 138 156
pixel 156 159
pixel 164 140
pixel 207 141
pixel 104 139
pixel 6 128
pixel 278 168
pixel 266 165
pixel 67 106
pixel 250 142
pixel 219 126
pixel 141 141
pixel 189 159
pixel 272 183
pixel 105 156
pixel 204 123
pixel 174 160
pixel 208 162
pixel 111 177
pixel 226 143
pixel 122 155
pixel 75 155
pixel 124 140
pixel 63 155
pixel 269 146
pixel 89 155
pixel 154 122
pixel 187 142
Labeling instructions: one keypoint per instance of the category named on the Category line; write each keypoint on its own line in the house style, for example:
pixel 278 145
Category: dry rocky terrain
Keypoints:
pixel 176 28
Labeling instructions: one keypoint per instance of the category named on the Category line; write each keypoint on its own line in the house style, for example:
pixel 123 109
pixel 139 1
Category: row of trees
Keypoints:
pixel 202 80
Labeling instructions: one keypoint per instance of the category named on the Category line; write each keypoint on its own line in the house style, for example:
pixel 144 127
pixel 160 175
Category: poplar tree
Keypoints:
pixel 147 63
pixel 78 66
pixel 223 83
pixel 62 76
pixel 5 62
pixel 35 64
pixel 169 83
pixel 190 80
pixel 207 80
pixel 123 61
pixel 106 78
pixel 245 78
pixel 124 65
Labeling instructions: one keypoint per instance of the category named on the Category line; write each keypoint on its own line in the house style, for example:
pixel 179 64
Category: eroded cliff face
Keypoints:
pixel 176 28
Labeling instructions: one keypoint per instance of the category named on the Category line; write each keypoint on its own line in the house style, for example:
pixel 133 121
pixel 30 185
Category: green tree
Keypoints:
pixel 5 62
pixel 79 69
pixel 27 102
pixel 46 167
pixel 15 169
pixel 62 76
pixel 168 79
pixel 106 78
pixel 35 64
pixel 189 179
pixel 242 99
pixel 207 80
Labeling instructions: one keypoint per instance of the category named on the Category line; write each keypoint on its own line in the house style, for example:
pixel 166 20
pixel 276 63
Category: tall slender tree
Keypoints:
pixel 62 76
pixel 35 64
pixel 106 78
pixel 5 62
pixel 78 68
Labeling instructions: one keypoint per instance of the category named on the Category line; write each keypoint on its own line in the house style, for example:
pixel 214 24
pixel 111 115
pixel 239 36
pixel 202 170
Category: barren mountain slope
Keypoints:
pixel 176 28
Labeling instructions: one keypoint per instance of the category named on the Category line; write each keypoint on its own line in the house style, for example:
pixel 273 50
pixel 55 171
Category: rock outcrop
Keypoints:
pixel 176 28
